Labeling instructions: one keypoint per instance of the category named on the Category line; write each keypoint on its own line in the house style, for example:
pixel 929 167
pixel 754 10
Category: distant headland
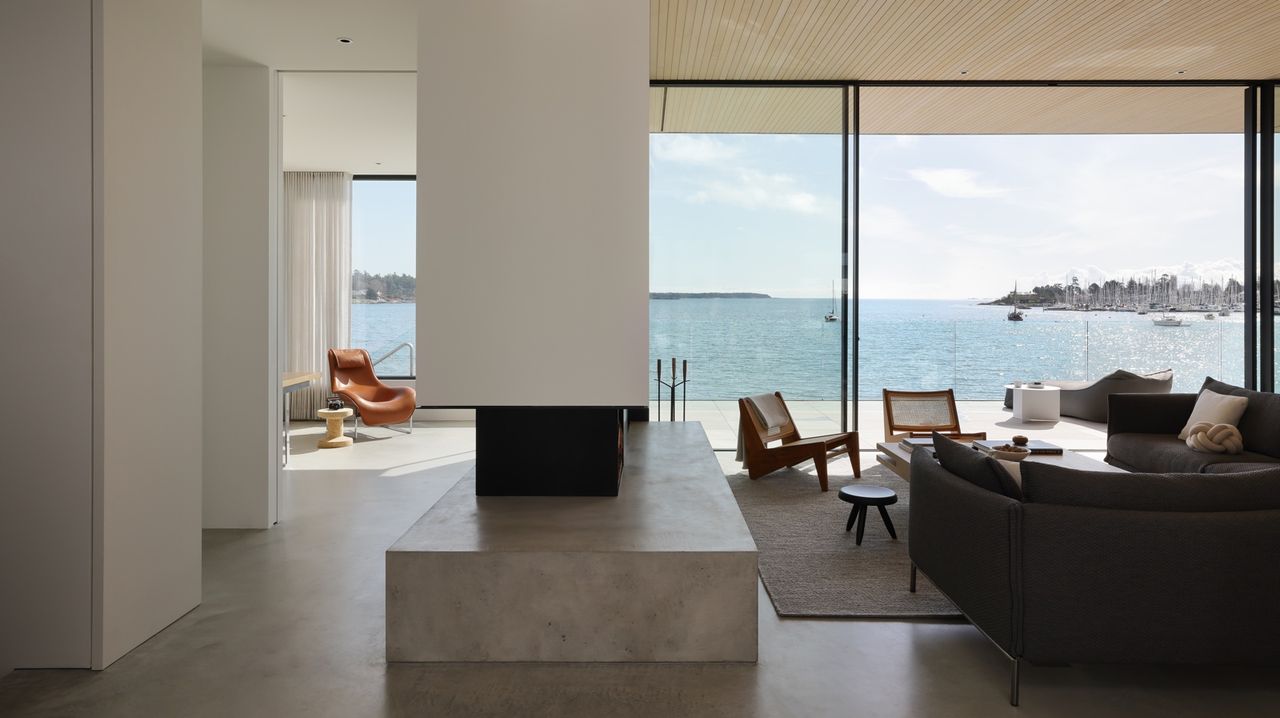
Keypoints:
pixel 708 295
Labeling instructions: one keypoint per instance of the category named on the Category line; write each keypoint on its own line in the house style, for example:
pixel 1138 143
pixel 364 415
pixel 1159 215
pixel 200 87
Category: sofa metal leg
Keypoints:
pixel 913 576
pixel 1014 681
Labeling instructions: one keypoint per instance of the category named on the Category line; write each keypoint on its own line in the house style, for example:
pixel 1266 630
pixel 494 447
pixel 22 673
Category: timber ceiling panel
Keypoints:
pixel 984 39
pixel 783 110
pixel 951 110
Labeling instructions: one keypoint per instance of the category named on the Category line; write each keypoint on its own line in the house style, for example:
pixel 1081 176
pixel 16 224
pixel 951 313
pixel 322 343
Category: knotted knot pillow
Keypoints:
pixel 1215 438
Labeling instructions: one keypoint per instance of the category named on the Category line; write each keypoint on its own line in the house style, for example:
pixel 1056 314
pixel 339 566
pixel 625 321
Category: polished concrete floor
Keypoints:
pixel 292 625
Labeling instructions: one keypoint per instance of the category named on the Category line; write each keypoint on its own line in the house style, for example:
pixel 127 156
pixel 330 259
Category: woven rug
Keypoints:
pixel 811 567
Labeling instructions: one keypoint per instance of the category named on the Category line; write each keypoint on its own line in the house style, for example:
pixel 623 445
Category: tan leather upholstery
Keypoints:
pixel 351 377
pixel 350 358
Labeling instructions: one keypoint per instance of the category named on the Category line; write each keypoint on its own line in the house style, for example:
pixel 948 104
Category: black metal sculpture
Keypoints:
pixel 673 385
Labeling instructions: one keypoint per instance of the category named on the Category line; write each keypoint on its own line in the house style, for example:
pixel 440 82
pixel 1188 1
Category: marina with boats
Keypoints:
pixel 1162 295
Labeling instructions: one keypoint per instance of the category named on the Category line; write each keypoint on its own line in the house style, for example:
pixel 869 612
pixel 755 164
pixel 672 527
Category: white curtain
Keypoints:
pixel 317 230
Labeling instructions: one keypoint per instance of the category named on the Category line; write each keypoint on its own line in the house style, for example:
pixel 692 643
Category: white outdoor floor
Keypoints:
pixel 720 419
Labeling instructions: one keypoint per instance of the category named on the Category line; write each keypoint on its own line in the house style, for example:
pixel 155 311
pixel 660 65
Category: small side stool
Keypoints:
pixel 333 436
pixel 862 496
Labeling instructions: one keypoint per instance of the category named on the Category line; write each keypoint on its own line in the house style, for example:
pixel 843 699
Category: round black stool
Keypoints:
pixel 862 496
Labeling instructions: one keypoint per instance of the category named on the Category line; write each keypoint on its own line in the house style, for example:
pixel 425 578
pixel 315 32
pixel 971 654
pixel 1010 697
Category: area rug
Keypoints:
pixel 811 567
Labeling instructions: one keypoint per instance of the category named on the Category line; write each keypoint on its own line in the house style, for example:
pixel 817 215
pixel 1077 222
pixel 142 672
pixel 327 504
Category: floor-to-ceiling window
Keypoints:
pixel 1106 218
pixel 1269 237
pixel 745 246
pixel 383 255
pixel 1115 213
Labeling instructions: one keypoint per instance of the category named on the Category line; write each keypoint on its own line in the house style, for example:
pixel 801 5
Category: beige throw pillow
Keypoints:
pixel 1015 470
pixel 1215 408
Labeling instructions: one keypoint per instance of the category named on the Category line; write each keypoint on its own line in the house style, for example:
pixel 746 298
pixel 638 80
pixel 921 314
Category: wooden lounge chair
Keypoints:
pixel 911 414
pixel 761 459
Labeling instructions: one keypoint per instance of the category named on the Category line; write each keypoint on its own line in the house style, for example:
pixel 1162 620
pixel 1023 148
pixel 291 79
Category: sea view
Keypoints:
pixel 737 347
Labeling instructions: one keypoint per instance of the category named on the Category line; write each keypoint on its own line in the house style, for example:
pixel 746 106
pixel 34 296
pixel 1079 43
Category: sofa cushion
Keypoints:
pixel 974 466
pixel 1260 424
pixel 1164 453
pixel 1215 408
pixel 1237 467
pixel 1045 483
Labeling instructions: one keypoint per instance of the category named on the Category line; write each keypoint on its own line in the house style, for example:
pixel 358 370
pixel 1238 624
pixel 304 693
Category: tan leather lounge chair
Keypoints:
pixel 376 404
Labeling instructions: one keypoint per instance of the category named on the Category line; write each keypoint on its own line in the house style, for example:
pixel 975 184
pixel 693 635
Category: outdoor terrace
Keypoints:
pixel 720 419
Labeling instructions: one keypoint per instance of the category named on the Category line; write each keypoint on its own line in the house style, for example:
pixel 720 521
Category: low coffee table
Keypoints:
pixel 862 496
pixel 898 459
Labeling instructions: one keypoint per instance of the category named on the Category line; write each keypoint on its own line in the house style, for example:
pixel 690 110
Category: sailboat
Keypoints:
pixel 1167 320
pixel 1016 314
pixel 831 315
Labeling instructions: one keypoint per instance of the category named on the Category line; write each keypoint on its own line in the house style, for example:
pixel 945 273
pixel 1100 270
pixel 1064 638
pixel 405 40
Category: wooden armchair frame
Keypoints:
pixel 893 431
pixel 761 459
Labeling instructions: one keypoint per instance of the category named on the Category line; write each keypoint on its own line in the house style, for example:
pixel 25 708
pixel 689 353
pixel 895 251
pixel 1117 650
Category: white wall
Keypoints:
pixel 46 250
pixel 148 246
pixel 533 202
pixel 100 142
pixel 242 400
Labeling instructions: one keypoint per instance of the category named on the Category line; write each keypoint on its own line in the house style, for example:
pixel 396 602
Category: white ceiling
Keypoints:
pixel 303 34
pixel 354 114
pixel 350 122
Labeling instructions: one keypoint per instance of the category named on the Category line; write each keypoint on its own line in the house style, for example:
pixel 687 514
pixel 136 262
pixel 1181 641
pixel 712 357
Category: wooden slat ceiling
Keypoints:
pixel 960 41
pixel 951 110
pixel 985 39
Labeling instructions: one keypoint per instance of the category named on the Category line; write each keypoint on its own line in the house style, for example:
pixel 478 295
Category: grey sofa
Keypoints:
pixel 1088 399
pixel 1105 567
pixel 1142 434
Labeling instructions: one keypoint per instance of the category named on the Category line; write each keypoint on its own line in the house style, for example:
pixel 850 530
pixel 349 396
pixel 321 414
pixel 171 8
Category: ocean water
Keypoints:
pixel 379 328
pixel 737 347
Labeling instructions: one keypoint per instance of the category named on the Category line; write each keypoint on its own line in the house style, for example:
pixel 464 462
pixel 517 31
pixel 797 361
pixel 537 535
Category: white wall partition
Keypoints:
pixel 242 400
pixel 46 246
pixel 533 203
pixel 100 511
pixel 149 350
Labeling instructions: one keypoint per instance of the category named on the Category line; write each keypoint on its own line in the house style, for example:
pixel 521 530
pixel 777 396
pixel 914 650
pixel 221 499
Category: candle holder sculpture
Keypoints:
pixel 673 385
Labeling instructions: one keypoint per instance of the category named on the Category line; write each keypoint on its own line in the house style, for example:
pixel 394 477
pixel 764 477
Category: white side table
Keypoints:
pixel 333 436
pixel 1042 404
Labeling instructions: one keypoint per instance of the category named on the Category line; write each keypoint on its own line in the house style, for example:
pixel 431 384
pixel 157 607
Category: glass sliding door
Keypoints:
pixel 1048 233
pixel 745 252
pixel 1269 200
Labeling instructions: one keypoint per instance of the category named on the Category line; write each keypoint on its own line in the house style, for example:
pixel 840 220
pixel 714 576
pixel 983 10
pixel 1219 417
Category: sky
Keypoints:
pixel 941 216
pixel 383 226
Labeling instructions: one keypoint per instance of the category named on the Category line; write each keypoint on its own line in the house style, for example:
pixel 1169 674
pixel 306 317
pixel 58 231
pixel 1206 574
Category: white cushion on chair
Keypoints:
pixel 771 411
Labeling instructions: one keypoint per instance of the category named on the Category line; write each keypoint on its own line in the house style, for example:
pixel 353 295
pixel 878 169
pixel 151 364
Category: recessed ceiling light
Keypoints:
pixel 344 40
pixel 378 164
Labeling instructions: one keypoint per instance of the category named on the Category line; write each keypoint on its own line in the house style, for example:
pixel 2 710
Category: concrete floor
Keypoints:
pixel 292 625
